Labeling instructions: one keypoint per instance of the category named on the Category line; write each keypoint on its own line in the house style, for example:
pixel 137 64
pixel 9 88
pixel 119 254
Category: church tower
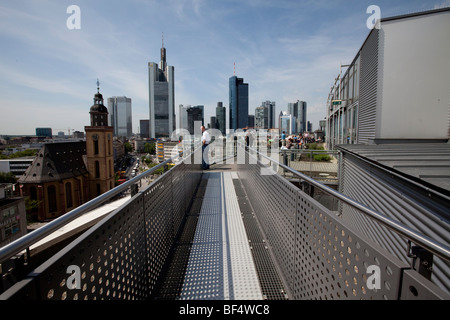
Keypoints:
pixel 99 148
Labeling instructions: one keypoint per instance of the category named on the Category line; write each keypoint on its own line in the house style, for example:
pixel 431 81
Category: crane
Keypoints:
pixel 68 130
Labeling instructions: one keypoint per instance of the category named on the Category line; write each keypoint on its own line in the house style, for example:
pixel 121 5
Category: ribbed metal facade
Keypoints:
pixel 368 89
pixel 399 200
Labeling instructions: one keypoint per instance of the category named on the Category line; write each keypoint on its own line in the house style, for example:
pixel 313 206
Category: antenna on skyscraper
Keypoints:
pixel 163 39
pixel 234 68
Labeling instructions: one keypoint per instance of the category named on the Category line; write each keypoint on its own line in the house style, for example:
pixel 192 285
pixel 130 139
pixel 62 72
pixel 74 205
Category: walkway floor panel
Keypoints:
pixel 220 265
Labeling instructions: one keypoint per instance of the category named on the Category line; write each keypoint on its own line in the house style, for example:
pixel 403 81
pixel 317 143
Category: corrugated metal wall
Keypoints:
pixel 381 192
pixel 368 89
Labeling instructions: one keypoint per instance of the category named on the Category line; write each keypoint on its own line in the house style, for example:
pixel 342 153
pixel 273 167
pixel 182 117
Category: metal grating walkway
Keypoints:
pixel 221 254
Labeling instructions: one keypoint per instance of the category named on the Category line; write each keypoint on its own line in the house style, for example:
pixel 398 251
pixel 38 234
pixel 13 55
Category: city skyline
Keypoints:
pixel 285 50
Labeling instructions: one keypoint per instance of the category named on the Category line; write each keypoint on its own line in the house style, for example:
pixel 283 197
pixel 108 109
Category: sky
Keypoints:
pixel 286 50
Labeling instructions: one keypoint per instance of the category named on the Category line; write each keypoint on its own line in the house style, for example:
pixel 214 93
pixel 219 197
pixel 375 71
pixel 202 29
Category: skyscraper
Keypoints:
pixel 221 118
pixel 271 120
pixel 238 94
pixel 120 116
pixel 194 114
pixel 265 115
pixel 144 126
pixel 161 90
pixel 298 110
pixel 261 118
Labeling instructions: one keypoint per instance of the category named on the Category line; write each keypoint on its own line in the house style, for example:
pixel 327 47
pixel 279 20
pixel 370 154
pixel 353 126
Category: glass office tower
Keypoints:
pixel 120 116
pixel 238 103
pixel 161 98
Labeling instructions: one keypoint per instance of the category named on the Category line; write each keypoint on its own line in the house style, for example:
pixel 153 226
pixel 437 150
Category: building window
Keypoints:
pixel 52 204
pixel 95 146
pixel 97 169
pixel 99 190
pixel 69 202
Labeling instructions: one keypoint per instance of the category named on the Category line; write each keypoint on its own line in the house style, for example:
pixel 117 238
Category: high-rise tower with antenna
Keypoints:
pixel 161 89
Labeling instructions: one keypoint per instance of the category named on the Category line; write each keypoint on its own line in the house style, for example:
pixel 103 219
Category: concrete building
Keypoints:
pixel 271 117
pixel 17 166
pixel 261 118
pixel 221 118
pixel 13 219
pixel 265 115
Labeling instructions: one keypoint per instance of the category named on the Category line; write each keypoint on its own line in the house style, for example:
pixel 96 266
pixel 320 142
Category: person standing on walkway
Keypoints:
pixel 206 139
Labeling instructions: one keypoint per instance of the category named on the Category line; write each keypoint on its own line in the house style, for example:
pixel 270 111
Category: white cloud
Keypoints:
pixel 443 4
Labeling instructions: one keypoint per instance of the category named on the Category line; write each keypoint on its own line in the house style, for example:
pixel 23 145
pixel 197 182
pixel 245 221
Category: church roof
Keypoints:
pixel 57 161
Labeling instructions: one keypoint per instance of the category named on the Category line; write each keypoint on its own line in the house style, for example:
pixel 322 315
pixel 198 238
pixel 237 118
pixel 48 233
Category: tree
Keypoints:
pixel 149 148
pixel 128 147
pixel 7 177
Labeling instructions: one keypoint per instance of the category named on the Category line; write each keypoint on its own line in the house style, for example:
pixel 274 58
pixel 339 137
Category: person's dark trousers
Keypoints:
pixel 205 162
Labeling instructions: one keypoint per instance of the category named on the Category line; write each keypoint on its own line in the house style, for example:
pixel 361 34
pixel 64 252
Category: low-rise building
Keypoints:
pixel 13 219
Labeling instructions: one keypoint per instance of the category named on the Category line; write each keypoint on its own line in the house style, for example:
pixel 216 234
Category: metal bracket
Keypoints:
pixel 422 260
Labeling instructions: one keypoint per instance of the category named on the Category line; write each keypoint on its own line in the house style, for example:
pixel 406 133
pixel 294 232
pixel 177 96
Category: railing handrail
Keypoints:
pixel 435 247
pixel 31 238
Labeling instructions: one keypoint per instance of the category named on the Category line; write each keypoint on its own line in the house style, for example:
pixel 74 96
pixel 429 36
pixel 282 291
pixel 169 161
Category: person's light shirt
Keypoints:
pixel 206 139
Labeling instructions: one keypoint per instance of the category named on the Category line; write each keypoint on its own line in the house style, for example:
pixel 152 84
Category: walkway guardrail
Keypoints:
pixel 136 236
pixel 321 165
pixel 126 254
pixel 319 255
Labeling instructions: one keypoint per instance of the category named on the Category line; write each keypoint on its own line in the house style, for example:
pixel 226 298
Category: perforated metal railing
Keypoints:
pixel 319 255
pixel 125 255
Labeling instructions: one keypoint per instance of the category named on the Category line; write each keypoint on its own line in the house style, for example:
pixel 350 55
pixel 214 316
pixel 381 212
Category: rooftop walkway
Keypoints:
pixel 238 231
pixel 221 254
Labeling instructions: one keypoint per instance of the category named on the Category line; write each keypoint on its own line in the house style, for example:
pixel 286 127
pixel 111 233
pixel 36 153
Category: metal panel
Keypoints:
pixel 319 255
pixel 110 257
pixel 22 290
pixel 332 260
pixel 275 210
pixel 220 264
pixel 379 190
pixel 159 228
pixel 368 89
pixel 416 287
